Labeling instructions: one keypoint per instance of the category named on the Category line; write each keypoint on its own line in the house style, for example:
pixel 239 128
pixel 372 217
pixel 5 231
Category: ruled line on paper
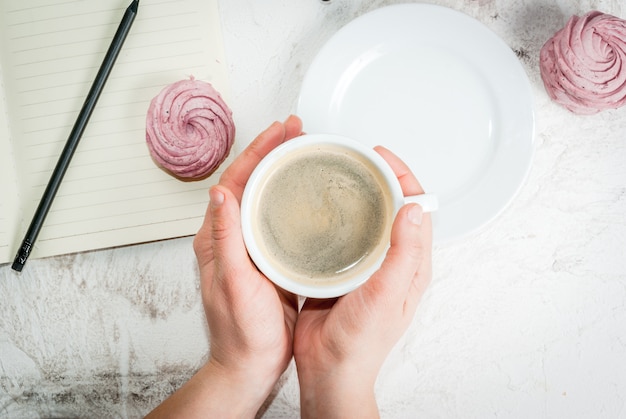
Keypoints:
pixel 67 45
pixel 118 76
pixel 109 134
pixel 119 208
pixel 113 138
pixel 97 199
pixel 128 214
pixel 61 31
pixel 38 7
pixel 25 78
pixel 99 170
pixel 128 202
pixel 68 84
pixel 159 29
pixel 101 222
pixel 58 58
pixel 149 73
pixel 100 161
pixel 86 147
pixel 58 114
pixel 55 18
pixel 99 120
pixel 130 186
pixel 86 216
pixel 136 225
pixel 124 172
pixel 137 172
pixel 155 43
pixel 104 221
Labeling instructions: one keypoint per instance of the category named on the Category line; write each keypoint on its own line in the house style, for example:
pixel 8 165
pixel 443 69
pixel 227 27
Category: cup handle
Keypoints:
pixel 427 201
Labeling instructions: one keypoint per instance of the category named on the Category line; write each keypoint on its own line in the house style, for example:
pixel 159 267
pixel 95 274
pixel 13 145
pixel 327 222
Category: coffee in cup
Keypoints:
pixel 317 214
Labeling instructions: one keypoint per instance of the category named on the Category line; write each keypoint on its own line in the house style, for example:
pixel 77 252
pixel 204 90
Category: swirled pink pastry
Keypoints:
pixel 583 66
pixel 189 129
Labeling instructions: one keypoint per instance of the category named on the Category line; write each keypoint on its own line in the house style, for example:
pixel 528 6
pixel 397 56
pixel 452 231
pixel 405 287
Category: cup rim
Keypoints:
pixel 306 140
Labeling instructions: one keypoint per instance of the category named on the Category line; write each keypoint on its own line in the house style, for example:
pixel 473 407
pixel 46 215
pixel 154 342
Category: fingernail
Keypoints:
pixel 415 214
pixel 217 197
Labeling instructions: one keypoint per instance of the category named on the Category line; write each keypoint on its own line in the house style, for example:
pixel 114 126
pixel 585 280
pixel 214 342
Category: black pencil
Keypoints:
pixel 77 131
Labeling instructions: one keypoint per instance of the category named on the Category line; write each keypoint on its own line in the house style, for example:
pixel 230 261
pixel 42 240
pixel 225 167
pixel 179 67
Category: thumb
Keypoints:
pixel 228 248
pixel 408 247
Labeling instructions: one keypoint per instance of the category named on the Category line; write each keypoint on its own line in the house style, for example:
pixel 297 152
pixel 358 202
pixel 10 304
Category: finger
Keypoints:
pixel 418 286
pixel 231 257
pixel 409 247
pixel 408 182
pixel 293 127
pixel 237 174
pixel 290 303
pixel 411 186
pixel 202 241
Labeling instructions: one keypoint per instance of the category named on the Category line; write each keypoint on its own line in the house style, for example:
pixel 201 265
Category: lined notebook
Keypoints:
pixel 113 193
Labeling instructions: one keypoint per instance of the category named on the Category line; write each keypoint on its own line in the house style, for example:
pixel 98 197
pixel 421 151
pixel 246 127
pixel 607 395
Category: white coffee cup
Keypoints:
pixel 317 211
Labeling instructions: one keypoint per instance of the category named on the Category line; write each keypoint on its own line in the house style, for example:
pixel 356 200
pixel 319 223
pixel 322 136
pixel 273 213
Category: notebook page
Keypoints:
pixel 8 188
pixel 113 193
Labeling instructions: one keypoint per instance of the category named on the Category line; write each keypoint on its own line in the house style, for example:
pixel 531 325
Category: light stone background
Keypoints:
pixel 525 319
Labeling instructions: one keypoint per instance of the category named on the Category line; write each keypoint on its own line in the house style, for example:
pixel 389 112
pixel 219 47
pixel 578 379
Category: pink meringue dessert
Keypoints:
pixel 583 66
pixel 189 129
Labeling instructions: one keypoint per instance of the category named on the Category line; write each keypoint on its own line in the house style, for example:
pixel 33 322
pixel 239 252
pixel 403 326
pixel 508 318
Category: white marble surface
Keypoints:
pixel 524 319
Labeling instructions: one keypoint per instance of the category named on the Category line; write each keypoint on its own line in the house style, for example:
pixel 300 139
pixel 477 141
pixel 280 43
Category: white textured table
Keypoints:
pixel 526 318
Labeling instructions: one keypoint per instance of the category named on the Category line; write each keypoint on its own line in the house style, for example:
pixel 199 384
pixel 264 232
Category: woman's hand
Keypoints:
pixel 251 322
pixel 340 344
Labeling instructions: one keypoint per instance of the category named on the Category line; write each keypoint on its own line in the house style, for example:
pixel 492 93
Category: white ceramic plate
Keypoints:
pixel 439 89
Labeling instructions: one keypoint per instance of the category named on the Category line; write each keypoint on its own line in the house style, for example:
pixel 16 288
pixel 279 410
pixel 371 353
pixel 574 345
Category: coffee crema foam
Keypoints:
pixel 322 213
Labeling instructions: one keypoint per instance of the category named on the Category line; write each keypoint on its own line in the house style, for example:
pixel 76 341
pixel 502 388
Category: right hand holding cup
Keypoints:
pixel 340 344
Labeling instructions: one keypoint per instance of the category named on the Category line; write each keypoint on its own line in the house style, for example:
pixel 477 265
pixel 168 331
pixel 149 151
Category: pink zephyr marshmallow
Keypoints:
pixel 583 66
pixel 189 129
